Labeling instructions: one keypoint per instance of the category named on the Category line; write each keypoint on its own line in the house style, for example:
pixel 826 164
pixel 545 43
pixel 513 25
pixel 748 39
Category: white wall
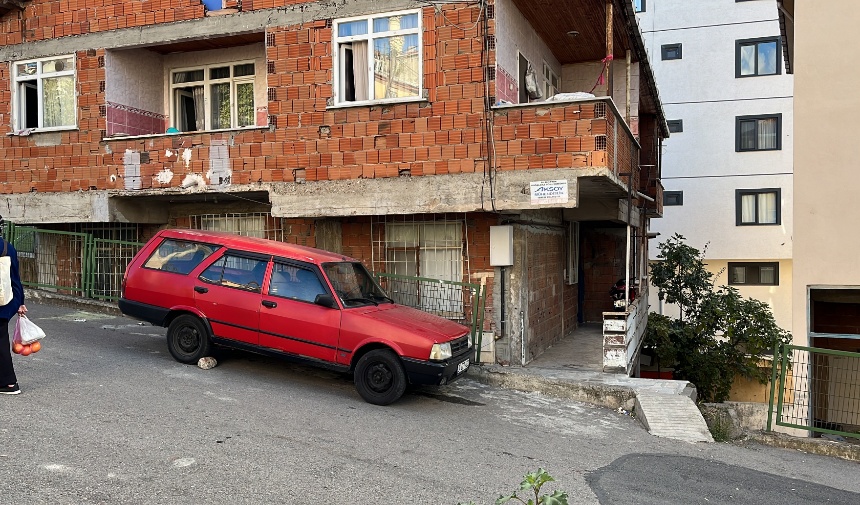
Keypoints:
pixel 135 78
pixel 702 90
pixel 515 35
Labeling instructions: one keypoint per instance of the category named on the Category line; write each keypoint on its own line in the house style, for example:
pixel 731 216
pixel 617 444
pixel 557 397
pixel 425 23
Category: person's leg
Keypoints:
pixel 7 372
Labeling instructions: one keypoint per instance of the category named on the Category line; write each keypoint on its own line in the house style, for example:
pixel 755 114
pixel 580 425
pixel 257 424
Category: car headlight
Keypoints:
pixel 440 352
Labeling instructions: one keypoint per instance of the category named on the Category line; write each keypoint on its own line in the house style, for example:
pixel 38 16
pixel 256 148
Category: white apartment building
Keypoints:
pixel 727 166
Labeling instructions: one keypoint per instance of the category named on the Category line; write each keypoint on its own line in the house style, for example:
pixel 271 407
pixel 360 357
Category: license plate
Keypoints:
pixel 462 367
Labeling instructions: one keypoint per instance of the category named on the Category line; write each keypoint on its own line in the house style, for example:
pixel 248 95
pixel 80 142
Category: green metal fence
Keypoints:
pixel 816 389
pixel 459 301
pixel 73 263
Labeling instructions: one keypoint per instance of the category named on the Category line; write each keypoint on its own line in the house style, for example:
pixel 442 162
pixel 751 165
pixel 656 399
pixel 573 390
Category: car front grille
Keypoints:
pixel 460 345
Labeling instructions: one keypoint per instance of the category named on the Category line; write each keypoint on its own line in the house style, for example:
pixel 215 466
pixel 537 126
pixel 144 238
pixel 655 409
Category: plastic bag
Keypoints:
pixel 26 331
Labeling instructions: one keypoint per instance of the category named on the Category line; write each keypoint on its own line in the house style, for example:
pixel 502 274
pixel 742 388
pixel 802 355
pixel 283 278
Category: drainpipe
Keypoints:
pixel 502 300
pixel 523 336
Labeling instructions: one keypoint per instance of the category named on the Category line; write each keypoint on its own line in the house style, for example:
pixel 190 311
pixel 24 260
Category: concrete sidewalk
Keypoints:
pixel 572 368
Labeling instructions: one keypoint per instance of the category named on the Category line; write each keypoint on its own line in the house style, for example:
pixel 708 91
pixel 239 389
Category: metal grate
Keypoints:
pixel 255 224
pixel 599 109
pixel 600 142
pixel 817 389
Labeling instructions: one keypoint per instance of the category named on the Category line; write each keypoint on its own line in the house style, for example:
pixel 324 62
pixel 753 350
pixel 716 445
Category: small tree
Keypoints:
pixel 719 334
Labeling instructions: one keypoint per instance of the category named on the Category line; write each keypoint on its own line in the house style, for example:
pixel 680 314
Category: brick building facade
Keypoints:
pixel 397 132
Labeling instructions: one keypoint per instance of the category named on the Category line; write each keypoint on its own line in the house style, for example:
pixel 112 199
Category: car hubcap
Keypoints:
pixel 188 340
pixel 379 378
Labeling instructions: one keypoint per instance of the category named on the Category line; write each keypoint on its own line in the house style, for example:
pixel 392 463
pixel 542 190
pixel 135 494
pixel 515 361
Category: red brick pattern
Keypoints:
pixel 602 256
pixel 309 142
pixel 545 260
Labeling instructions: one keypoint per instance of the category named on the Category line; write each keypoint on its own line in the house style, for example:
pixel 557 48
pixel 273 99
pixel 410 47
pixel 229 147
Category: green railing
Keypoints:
pixel 459 301
pixel 73 263
pixel 815 389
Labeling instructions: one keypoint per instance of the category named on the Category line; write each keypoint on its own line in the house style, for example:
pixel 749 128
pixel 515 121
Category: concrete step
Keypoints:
pixel 672 416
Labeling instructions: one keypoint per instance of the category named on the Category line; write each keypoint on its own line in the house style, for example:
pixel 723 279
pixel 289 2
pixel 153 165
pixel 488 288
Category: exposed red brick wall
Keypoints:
pixel 442 136
pixel 603 258
pixel 544 269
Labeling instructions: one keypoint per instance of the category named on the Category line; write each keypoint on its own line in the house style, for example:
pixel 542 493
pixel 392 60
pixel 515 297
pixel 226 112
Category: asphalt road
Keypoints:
pixel 107 416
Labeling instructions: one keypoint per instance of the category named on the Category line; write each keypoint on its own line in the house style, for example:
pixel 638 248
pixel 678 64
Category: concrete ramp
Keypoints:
pixel 672 416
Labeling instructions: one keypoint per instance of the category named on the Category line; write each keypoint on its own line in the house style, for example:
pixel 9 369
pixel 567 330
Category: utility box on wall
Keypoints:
pixel 501 246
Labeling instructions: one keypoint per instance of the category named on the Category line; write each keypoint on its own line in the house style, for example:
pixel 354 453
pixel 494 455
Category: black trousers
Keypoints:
pixel 7 371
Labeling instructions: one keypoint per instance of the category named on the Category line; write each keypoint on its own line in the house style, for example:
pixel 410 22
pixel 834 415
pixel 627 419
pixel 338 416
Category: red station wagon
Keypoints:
pixel 276 298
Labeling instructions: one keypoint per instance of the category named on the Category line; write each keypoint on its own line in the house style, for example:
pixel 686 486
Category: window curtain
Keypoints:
pixel 767 208
pixel 199 108
pixel 748 208
pixel 58 99
pixel 360 70
pixel 766 275
pixel 767 133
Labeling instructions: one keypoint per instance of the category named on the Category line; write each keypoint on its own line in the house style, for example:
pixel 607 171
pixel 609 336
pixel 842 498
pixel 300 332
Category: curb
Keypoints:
pixel 613 397
pixel 850 452
pixel 71 301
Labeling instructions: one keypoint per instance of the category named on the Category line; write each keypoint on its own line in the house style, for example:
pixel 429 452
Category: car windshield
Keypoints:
pixel 354 285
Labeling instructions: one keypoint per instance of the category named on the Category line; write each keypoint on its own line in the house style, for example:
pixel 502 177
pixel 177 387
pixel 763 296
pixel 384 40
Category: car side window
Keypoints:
pixel 236 272
pixel 179 256
pixel 297 283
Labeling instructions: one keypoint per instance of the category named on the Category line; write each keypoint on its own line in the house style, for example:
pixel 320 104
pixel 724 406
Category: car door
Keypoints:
pixel 290 320
pixel 228 293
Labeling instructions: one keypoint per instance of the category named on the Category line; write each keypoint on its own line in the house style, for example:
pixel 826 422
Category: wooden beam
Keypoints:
pixel 609 49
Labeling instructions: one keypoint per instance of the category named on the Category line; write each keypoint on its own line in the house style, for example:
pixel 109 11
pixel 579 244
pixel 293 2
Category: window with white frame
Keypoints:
pixel 378 58
pixel 757 206
pixel 45 93
pixel 213 97
pixel 552 84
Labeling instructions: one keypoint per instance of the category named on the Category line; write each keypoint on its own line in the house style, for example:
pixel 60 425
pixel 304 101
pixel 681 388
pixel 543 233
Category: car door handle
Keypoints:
pixel 269 304
pixel 201 289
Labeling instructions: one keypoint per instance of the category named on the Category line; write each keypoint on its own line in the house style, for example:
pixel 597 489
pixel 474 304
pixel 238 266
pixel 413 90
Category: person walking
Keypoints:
pixel 8 380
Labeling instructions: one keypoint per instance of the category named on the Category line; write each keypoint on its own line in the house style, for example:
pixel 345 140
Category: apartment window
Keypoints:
pixel 639 5
pixel 429 250
pixel 670 51
pixel 754 274
pixel 758 133
pixel 755 57
pixel 213 97
pixel 378 58
pixel 671 198
pixel 45 93
pixel 675 125
pixel 757 206
pixel 551 81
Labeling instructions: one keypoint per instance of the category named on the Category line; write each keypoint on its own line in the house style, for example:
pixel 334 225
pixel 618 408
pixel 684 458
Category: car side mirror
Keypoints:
pixel 326 300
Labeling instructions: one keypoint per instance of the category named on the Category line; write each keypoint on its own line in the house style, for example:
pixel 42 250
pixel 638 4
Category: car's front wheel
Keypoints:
pixel 188 339
pixel 379 377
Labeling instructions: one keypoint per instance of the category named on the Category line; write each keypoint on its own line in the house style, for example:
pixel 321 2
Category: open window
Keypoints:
pixel 378 58
pixel 213 97
pixel 45 94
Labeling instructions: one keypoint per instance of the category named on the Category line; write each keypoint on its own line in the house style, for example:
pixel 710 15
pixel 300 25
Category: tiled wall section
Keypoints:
pixel 122 119
pixel 507 88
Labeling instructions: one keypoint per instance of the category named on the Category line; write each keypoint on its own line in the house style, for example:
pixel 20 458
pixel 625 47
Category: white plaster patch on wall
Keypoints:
pixel 192 180
pixel 164 176
pixel 220 173
pixel 186 157
pixel 131 164
pixel 112 177
pixel 168 153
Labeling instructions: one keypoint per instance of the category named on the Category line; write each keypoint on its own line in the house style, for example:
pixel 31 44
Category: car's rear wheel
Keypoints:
pixel 379 377
pixel 188 339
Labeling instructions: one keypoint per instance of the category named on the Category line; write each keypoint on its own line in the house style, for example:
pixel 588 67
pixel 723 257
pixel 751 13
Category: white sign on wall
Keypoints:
pixel 546 192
